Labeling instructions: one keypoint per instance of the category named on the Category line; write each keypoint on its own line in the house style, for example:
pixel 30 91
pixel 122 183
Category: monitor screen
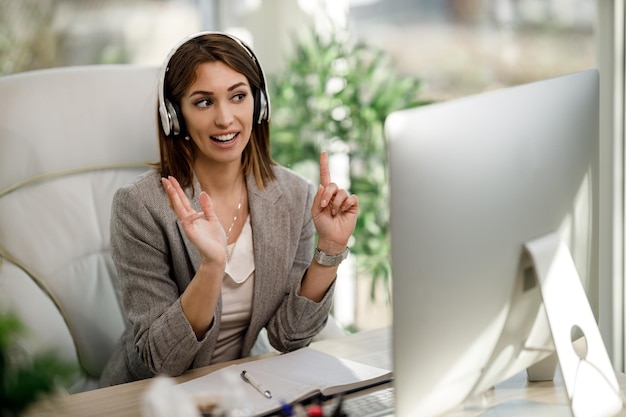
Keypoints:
pixel 472 181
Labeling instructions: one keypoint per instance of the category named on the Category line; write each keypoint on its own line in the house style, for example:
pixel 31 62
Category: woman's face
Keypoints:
pixel 218 109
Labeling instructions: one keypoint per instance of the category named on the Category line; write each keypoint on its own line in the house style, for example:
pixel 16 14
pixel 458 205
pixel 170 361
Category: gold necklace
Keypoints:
pixel 230 229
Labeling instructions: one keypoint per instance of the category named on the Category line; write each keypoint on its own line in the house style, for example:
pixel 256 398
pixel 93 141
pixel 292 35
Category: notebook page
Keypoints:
pixel 326 373
pixel 226 381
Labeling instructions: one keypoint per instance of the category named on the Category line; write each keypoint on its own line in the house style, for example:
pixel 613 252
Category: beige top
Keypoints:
pixel 237 288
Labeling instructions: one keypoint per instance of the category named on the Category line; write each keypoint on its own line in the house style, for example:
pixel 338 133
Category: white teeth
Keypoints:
pixel 225 138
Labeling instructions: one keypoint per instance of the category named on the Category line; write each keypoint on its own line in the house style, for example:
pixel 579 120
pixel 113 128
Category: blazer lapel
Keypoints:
pixel 270 221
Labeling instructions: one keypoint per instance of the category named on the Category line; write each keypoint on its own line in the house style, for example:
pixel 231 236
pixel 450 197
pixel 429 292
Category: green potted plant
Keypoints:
pixel 24 378
pixel 335 94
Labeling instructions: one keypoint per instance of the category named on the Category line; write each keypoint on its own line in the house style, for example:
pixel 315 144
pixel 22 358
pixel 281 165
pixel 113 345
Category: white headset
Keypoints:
pixel 167 111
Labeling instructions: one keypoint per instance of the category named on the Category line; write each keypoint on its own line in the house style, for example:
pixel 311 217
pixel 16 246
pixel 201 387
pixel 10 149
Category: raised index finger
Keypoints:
pixel 324 171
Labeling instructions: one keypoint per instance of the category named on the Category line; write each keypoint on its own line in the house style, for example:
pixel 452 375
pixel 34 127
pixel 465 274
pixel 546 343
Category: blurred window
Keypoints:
pixel 461 47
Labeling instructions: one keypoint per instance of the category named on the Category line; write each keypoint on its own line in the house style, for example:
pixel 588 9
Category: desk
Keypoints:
pixel 372 347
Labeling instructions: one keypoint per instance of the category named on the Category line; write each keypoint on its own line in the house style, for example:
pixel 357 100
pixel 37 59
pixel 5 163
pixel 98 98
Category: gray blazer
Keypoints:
pixel 155 263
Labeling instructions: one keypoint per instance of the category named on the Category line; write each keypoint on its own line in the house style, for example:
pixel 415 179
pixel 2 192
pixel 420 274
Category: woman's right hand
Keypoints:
pixel 203 229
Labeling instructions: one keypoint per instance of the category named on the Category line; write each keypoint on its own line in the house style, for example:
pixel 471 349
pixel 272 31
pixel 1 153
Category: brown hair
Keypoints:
pixel 177 155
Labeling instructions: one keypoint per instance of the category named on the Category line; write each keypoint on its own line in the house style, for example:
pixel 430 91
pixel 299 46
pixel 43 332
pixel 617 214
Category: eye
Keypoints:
pixel 239 97
pixel 205 102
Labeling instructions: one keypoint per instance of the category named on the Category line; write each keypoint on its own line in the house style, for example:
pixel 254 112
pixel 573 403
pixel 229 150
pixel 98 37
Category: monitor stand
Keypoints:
pixel 590 382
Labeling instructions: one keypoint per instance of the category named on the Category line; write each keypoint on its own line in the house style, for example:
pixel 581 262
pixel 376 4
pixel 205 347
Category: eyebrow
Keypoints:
pixel 210 93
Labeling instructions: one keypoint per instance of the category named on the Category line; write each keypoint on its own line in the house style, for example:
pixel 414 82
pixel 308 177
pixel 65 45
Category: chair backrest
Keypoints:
pixel 69 138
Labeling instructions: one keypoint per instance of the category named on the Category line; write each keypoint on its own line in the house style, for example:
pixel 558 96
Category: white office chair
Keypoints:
pixel 69 138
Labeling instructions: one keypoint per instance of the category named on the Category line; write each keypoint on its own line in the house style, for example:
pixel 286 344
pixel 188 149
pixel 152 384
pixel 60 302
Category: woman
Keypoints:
pixel 217 242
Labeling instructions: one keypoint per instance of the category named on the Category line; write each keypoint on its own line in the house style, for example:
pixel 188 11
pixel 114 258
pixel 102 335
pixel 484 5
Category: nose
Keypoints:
pixel 223 115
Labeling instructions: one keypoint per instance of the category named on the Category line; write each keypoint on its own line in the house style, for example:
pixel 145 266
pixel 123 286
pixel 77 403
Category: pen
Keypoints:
pixel 248 379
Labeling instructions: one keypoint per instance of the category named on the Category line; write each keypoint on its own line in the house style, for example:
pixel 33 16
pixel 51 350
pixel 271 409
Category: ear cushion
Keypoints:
pixel 260 106
pixel 177 122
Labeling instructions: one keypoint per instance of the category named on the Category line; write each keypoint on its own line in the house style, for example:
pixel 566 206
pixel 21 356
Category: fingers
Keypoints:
pixel 336 199
pixel 207 206
pixel 329 194
pixel 351 204
pixel 327 189
pixel 182 197
pixel 343 202
pixel 324 170
pixel 178 200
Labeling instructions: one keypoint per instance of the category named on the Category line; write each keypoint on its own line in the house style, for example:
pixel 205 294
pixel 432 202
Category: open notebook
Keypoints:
pixel 290 377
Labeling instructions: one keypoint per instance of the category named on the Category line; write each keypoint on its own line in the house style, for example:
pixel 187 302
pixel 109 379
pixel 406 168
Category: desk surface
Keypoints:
pixel 372 347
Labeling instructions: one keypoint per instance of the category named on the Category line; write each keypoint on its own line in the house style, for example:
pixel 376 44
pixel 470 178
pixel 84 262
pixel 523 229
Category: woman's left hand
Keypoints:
pixel 334 212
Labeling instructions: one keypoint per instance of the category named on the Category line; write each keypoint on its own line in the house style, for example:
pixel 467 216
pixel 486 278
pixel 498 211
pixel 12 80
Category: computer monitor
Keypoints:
pixel 485 191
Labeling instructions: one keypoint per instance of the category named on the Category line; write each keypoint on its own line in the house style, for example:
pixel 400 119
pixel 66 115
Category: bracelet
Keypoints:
pixel 325 259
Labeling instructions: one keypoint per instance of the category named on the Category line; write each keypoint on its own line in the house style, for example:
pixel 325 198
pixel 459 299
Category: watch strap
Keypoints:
pixel 325 259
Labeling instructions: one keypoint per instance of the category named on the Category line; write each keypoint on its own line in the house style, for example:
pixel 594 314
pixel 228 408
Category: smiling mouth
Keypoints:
pixel 224 138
